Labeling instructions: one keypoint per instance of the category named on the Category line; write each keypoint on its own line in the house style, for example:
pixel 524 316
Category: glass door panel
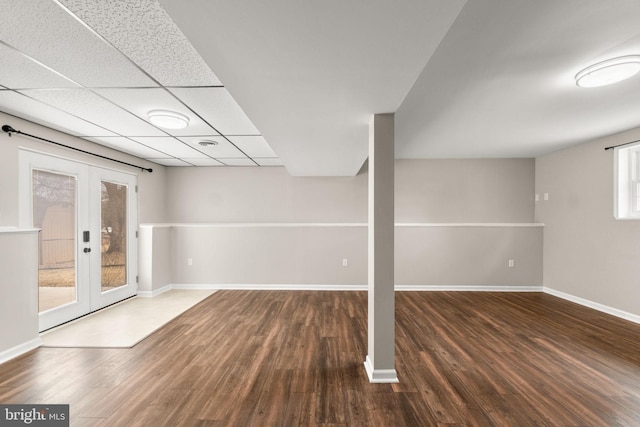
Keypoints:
pixel 54 212
pixel 113 235
pixel 114 215
pixel 53 196
pixel 88 248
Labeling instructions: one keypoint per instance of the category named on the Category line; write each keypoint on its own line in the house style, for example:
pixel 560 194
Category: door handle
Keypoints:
pixel 87 250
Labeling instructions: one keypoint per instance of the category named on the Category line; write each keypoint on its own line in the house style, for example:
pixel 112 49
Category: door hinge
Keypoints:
pixel 136 188
pixel 136 234
pixel 137 279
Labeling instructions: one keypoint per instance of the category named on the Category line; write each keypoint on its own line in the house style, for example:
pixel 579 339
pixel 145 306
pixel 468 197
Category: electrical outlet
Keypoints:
pixel 189 261
pixel 512 263
pixel 345 262
pixel 537 197
pixel 546 196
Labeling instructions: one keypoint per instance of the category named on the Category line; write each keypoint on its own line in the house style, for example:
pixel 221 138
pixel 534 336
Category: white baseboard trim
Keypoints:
pixel 19 349
pixel 154 293
pixel 380 376
pixel 272 287
pixel 594 305
pixel 468 288
pixel 362 287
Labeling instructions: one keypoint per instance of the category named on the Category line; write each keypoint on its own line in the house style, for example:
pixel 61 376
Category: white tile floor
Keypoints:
pixel 124 324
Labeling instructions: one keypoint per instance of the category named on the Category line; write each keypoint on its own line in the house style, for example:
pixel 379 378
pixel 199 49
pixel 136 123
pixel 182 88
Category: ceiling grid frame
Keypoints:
pixel 94 91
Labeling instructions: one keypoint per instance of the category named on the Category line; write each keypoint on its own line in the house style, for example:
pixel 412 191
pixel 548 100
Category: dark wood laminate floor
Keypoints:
pixel 272 358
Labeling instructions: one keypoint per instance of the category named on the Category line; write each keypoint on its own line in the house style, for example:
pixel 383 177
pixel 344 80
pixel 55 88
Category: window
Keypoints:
pixel 627 183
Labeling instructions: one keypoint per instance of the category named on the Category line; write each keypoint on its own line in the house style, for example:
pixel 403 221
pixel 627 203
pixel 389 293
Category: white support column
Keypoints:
pixel 380 362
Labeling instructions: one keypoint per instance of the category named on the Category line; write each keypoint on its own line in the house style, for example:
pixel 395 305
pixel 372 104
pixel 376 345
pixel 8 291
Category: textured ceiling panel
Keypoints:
pixel 223 149
pixel 269 161
pixel 49 34
pixel 204 162
pixel 217 106
pixel 91 107
pixel 141 101
pixel 126 145
pixel 21 72
pixel 30 109
pixel 253 146
pixel 170 146
pixel 238 162
pixel 95 68
pixel 140 30
pixel 170 162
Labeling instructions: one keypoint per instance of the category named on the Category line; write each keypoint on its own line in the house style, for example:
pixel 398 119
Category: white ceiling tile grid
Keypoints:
pixel 214 146
pixel 121 143
pixel 95 68
pixel 141 30
pixel 238 162
pixel 44 31
pixel 141 101
pixel 22 72
pixel 204 162
pixel 23 106
pixel 171 162
pixel 171 146
pixel 218 107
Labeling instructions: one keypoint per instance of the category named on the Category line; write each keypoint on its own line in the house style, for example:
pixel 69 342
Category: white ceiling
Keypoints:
pixel 295 83
pixel 94 69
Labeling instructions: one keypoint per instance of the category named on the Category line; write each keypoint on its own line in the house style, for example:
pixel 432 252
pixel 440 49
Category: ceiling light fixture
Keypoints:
pixel 608 72
pixel 206 142
pixel 168 119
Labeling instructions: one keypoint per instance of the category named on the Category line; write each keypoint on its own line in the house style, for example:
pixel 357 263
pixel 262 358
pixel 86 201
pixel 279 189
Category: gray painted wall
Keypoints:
pixel 450 191
pixel 18 291
pixel 478 190
pixel 465 190
pixel 588 253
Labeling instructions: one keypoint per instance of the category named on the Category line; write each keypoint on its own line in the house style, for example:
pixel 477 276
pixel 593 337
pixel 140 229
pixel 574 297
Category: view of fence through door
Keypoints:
pixel 113 235
pixel 54 212
pixel 87 244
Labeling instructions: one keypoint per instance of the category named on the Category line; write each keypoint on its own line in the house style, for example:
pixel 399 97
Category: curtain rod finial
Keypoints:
pixel 8 129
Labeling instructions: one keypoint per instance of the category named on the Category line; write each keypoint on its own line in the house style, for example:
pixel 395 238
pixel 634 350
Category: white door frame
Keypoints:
pixel 88 264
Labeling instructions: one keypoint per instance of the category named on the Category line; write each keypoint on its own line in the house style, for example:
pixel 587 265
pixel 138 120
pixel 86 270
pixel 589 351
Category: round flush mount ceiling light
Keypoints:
pixel 168 119
pixel 608 72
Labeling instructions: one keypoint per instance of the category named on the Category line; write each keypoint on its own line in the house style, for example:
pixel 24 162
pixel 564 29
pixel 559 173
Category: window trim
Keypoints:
pixel 626 189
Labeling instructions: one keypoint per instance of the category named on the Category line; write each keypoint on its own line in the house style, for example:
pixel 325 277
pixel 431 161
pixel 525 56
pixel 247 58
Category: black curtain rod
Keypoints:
pixel 620 145
pixel 8 129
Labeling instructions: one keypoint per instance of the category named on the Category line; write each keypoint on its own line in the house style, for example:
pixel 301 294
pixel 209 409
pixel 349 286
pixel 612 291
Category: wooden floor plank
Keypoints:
pixel 295 358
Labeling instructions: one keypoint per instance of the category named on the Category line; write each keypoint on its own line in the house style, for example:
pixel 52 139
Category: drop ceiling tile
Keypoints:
pixel 271 161
pixel 170 162
pixel 87 105
pixel 238 162
pixel 204 162
pixel 126 145
pixel 217 106
pixel 37 112
pixel 141 101
pixel 51 35
pixel 171 146
pixel 223 149
pixel 253 145
pixel 144 32
pixel 18 71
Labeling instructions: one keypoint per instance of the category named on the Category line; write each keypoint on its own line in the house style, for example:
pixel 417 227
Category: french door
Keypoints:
pixel 87 218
